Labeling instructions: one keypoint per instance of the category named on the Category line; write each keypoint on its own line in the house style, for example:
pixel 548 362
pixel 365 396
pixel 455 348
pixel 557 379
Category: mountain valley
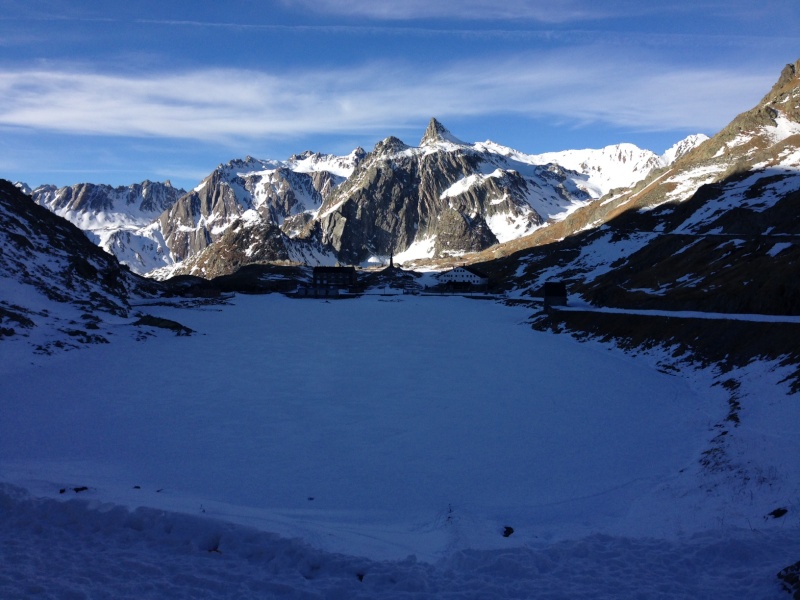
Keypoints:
pixel 168 355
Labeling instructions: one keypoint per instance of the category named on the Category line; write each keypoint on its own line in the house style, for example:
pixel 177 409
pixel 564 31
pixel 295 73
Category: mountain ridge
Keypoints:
pixel 443 198
pixel 60 290
pixel 716 231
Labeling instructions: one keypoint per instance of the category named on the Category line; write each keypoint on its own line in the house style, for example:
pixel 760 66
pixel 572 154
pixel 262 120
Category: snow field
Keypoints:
pixel 313 441
pixel 387 414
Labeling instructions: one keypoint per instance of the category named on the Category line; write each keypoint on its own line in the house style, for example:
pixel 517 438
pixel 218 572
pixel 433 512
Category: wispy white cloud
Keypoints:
pixel 226 104
pixel 548 11
pixel 498 31
pixel 370 28
pixel 544 11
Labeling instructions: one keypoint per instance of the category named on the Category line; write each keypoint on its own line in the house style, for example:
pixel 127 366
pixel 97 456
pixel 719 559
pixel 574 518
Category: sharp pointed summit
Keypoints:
pixel 437 133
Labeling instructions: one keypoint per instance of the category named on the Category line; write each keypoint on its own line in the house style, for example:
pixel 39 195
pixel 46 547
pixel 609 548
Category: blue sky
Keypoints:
pixel 118 92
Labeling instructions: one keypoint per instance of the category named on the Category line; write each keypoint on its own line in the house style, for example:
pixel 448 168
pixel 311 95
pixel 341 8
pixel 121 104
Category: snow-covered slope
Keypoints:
pixel 605 169
pixel 442 198
pixel 722 216
pixel 57 289
pixel 682 147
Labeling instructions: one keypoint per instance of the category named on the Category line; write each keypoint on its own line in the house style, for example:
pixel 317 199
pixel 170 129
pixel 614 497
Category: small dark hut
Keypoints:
pixel 555 294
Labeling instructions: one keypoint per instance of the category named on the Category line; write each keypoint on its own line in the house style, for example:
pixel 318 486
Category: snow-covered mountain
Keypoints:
pixel 612 167
pixel 114 216
pixel 442 198
pixel 681 148
pixel 717 230
pixel 277 198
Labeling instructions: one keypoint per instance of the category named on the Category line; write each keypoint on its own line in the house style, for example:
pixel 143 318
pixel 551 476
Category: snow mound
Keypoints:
pixel 88 549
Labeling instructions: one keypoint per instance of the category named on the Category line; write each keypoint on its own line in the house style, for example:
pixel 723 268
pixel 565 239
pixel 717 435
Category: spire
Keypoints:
pixel 436 132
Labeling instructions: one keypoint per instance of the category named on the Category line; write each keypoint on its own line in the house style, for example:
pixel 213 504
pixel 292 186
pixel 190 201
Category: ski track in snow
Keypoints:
pixel 375 449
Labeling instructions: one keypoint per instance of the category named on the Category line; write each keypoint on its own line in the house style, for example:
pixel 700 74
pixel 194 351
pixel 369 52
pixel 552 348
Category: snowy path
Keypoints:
pixel 578 306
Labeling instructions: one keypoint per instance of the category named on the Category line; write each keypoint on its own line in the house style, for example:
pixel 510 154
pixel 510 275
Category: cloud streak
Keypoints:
pixel 549 11
pixel 222 105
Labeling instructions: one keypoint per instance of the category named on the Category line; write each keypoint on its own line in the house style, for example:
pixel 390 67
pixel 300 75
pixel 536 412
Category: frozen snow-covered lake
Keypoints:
pixel 378 427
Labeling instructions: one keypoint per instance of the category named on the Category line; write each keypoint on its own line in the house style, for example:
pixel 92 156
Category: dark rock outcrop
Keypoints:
pixel 42 250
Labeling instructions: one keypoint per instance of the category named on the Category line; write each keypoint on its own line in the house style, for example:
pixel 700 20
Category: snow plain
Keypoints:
pixel 379 448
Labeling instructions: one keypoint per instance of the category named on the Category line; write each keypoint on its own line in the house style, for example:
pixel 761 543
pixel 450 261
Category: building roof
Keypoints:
pixel 333 269
pixel 470 269
pixel 555 288
pixel 475 271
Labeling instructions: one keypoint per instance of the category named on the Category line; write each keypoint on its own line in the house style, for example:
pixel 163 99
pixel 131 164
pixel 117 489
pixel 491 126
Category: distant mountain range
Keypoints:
pixel 441 199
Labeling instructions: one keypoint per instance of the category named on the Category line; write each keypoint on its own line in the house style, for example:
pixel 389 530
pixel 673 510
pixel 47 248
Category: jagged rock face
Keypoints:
pixel 116 218
pixel 458 233
pixel 93 206
pixel 189 226
pixel 241 244
pixel 443 192
pixel 248 241
pixel 391 200
pixel 299 226
pixel 280 193
pixel 436 133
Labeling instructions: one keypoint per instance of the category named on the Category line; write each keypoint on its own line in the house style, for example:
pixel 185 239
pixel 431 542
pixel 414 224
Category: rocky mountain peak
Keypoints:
pixel 790 72
pixel 784 97
pixel 390 145
pixel 304 155
pixel 437 133
pixel 682 147
pixel 358 155
pixel 23 187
